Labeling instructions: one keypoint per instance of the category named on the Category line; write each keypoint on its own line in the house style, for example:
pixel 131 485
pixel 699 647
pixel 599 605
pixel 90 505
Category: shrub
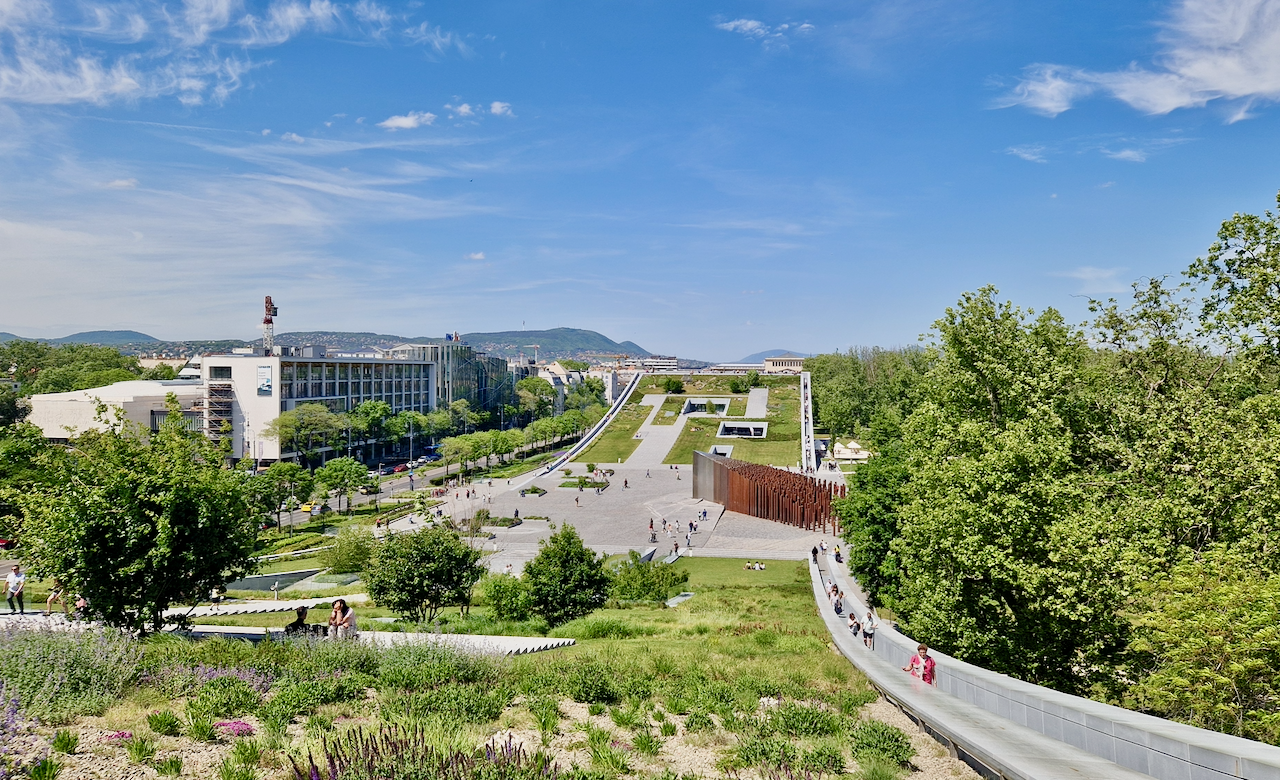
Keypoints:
pixel 315 658
pixel 422 666
pixel 416 574
pixel 598 628
pixel 646 744
pixel 169 767
pixel 508 597
pixel 546 713
pixel 225 697
pixel 164 723
pixel 671 385
pixel 823 759
pixel 230 769
pixel 45 769
pixel 796 720
pixel 59 675
pixel 699 721
pixel 873 739
pixel 298 697
pixel 140 749
pixel 595 708
pixel 566 580
pixel 17 735
pixel 246 752
pixel 667 729
pixel 455 703
pixel 182 679
pixel 588 681
pixel 408 753
pixel 351 551
pixel 65 741
pixel 200 727
pixel 765 751
pixel 637 580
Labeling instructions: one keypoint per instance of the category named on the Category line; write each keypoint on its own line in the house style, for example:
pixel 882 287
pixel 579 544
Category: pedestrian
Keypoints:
pixel 814 553
pixel 646 473
pixel 854 627
pixel 275 591
pixel 921 665
pixel 56 594
pixel 410 481
pixel 822 545
pixel 869 627
pixel 14 585
pixel 508 570
pixel 215 597
pixel 651 524
pixel 515 514
pixel 575 501
pixel 676 548
pixel 625 485
pixel 688 539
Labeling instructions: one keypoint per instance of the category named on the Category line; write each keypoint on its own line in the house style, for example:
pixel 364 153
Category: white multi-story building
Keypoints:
pixel 244 393
pixel 63 416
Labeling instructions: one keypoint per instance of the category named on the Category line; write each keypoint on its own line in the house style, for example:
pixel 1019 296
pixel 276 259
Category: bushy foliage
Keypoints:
pixel 638 580
pixel 508 597
pixel 874 739
pixel 465 703
pixel 416 574
pixel 407 754
pixel 351 551
pixel 567 579
pixel 225 697
pixel 417 667
pixel 671 384
pixel 61 674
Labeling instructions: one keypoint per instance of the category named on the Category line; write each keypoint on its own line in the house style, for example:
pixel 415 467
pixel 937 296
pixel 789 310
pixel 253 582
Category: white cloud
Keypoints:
pixel 1028 152
pixel 372 14
pixel 266 132
pixel 1129 155
pixel 476 256
pixel 437 40
pixel 284 20
pixel 498 108
pixel 121 184
pixel 463 109
pixel 767 35
pixel 408 121
pixel 1095 281
pixel 293 138
pixel 1212 50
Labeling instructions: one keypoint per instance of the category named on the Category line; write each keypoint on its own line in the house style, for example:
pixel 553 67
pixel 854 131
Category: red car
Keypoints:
pixel 400 468
pixel 7 544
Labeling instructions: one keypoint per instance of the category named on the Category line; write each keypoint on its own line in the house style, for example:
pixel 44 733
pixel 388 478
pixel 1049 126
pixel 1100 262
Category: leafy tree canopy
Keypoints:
pixel 567 579
pixel 417 574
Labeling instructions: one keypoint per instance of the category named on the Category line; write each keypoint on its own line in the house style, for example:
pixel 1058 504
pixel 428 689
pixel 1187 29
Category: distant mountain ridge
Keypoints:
pixel 552 344
pixel 768 353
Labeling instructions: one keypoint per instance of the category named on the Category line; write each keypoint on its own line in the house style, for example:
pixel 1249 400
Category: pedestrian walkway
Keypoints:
pixel 657 440
pixel 757 403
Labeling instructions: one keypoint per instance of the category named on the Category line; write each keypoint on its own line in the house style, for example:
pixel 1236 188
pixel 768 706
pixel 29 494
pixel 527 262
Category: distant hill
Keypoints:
pixel 9 337
pixel 554 343
pixel 105 338
pixel 768 353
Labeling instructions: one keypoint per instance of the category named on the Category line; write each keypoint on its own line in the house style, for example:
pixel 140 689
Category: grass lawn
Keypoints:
pixel 780 448
pixel 737 406
pixel 618 441
pixel 646 692
pixel 670 410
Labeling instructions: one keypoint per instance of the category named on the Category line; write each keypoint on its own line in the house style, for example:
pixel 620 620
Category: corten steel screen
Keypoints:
pixel 767 492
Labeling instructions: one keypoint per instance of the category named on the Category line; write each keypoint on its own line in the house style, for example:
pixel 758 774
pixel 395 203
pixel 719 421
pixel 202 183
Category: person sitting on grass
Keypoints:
pixel 298 626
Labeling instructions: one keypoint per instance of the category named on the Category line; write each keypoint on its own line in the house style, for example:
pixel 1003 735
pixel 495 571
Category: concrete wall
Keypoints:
pixel 1153 746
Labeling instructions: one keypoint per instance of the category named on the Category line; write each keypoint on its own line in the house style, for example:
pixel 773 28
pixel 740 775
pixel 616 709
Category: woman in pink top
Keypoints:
pixel 921 665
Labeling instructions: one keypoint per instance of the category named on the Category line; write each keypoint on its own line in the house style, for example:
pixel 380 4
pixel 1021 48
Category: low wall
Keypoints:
pixel 1153 746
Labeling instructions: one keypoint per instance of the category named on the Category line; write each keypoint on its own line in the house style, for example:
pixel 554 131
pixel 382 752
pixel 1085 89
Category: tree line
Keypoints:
pixel 1091 507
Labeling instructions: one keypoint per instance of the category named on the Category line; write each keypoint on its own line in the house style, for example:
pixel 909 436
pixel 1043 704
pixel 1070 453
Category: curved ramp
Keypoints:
pixel 1015 729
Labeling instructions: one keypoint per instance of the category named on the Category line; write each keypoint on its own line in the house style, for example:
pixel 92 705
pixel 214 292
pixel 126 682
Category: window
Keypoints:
pixel 219 372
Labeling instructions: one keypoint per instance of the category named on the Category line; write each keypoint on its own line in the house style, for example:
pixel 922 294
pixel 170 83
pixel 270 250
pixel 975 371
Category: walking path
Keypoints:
pixel 656 440
pixel 757 403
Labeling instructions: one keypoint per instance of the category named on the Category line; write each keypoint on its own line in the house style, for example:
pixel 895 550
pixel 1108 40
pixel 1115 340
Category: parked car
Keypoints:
pixel 7 544
pixel 370 489
pixel 431 458
pixel 403 467
pixel 373 473
pixel 307 507
pixel 386 471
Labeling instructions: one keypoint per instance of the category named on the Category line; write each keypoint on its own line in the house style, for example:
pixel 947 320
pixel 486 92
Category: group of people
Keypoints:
pixel 921 664
pixel 672 530
pixel 15 589
pixel 342 622
pixel 822 549
pixel 754 566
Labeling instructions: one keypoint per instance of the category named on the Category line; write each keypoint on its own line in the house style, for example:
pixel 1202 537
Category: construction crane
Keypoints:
pixel 268 326
pixel 536 347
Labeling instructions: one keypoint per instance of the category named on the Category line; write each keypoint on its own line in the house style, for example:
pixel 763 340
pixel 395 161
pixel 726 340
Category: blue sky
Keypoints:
pixel 706 180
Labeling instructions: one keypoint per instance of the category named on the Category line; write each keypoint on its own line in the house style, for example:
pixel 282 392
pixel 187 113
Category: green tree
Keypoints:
pixel 281 482
pixel 537 396
pixel 671 384
pixel 637 580
pixel 305 429
pixel 24 469
pixel 566 580
pixel 138 522
pixel 870 519
pixel 575 365
pixel 342 476
pixel 373 420
pixel 415 575
pixel 351 552
pixel 508 597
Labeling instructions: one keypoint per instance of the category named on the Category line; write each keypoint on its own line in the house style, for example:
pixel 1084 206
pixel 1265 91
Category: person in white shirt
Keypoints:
pixel 869 627
pixel 14 584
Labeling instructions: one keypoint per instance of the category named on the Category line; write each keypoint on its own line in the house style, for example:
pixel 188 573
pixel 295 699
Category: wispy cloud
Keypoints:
pixel 1028 152
pixel 1128 155
pixel 769 36
pixel 293 138
pixel 438 42
pixel 409 121
pixel 498 108
pixel 1096 281
pixel 121 184
pixel 1212 50
pixel 475 256
pixel 65 53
